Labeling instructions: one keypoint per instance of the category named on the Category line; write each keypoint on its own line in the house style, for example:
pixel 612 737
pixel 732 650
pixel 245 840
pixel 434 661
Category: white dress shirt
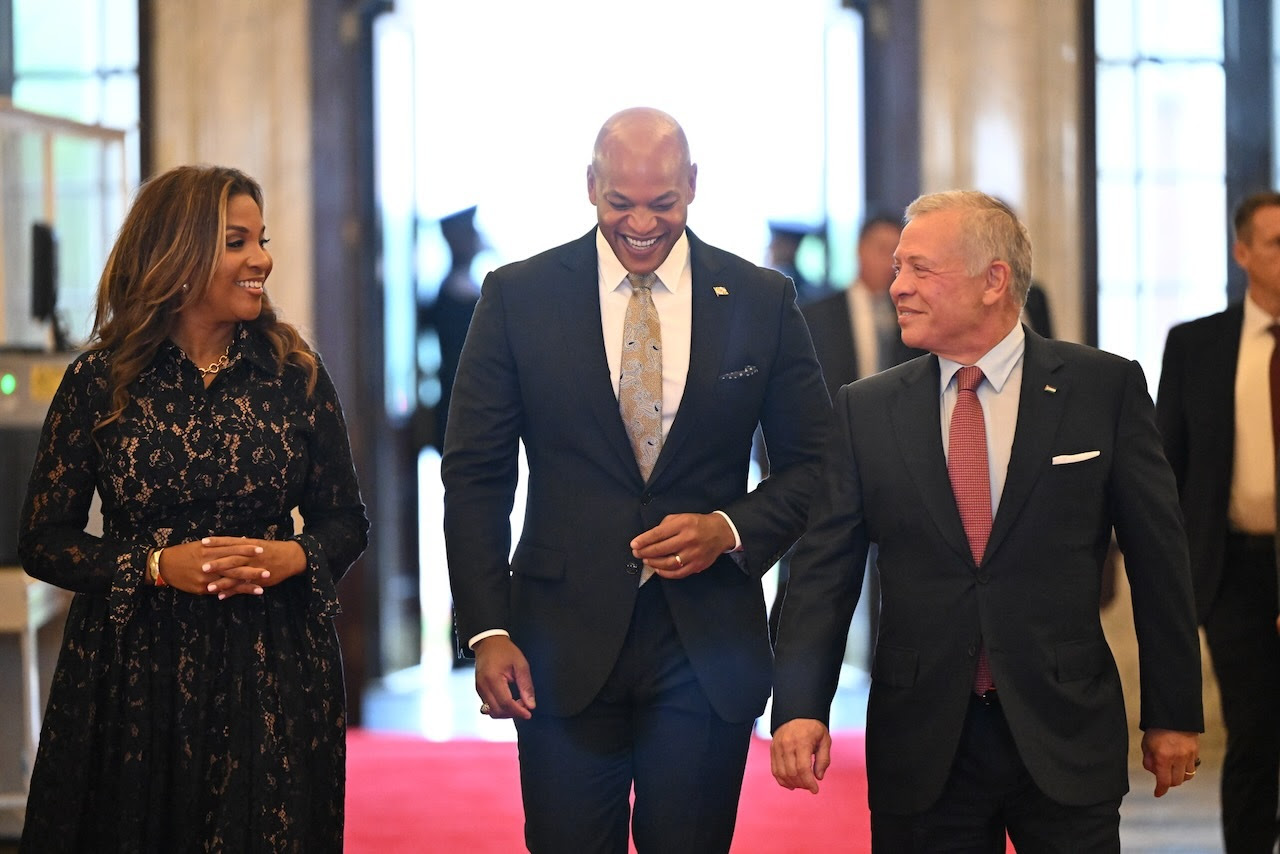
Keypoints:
pixel 866 338
pixel 672 297
pixel 1252 507
pixel 999 393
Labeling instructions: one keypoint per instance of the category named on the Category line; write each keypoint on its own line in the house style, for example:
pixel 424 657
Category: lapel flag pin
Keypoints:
pixel 721 290
pixel 1050 389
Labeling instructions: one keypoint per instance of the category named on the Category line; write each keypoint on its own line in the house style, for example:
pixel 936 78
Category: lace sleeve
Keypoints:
pixel 52 540
pixel 335 527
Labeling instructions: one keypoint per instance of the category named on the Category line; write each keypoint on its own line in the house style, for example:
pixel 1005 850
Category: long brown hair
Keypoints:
pixel 173 235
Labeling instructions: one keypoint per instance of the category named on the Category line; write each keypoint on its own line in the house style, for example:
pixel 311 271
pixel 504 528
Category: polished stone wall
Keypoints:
pixel 232 87
pixel 1000 112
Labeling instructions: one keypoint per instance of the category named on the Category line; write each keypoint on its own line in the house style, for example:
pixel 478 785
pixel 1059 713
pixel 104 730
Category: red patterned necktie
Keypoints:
pixel 971 482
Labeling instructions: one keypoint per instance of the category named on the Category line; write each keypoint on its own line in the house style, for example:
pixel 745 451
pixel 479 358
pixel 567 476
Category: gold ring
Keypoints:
pixel 484 708
pixel 1189 774
pixel 679 562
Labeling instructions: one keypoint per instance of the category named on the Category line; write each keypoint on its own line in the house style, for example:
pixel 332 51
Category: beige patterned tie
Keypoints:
pixel 640 383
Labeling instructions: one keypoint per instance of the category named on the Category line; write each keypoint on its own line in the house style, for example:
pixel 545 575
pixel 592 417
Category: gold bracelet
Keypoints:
pixel 153 568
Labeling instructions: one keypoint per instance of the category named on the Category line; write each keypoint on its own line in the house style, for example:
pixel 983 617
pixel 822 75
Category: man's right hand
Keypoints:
pixel 503 680
pixel 800 754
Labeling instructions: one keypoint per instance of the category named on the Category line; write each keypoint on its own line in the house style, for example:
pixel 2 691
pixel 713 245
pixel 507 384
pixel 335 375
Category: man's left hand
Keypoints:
pixel 1171 756
pixel 684 543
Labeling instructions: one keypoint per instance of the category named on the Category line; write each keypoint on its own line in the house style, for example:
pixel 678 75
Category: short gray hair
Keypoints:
pixel 992 232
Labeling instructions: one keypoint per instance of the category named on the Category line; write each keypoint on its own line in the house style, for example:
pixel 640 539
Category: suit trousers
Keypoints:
pixel 1245 649
pixel 651 727
pixel 990 792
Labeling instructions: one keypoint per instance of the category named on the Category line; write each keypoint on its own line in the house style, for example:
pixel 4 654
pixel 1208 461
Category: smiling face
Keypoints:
pixel 236 290
pixel 641 183
pixel 942 307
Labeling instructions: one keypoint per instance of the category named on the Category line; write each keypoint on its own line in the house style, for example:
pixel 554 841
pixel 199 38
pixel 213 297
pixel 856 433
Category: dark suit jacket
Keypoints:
pixel 834 340
pixel 534 369
pixel 1196 412
pixel 1034 597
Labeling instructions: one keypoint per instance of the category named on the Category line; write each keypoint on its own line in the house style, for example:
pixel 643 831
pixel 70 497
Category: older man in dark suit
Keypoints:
pixel 1220 418
pixel 991 474
pixel 634 364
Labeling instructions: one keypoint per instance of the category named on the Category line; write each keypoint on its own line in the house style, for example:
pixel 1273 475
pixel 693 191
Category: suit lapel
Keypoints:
pixel 582 337
pixel 1041 404
pixel 711 321
pixel 916 425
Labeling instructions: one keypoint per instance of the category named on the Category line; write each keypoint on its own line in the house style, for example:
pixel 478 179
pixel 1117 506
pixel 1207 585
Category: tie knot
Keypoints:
pixel 642 281
pixel 968 378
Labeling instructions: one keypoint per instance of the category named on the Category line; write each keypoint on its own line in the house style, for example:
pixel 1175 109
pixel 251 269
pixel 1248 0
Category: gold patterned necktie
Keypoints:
pixel 640 383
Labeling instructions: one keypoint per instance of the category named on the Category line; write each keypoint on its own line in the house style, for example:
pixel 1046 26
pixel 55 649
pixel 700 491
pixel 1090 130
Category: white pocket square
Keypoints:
pixel 1067 459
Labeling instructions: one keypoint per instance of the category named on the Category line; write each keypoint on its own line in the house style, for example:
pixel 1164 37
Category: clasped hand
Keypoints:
pixel 684 543
pixel 230 566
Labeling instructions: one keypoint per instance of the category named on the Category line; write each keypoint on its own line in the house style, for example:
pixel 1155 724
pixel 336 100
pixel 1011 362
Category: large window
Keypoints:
pixel 78 60
pixel 1161 155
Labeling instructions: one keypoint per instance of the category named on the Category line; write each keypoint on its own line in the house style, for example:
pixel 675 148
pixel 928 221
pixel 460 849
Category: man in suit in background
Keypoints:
pixel 855 330
pixel 633 603
pixel 785 239
pixel 995 700
pixel 1218 416
pixel 855 334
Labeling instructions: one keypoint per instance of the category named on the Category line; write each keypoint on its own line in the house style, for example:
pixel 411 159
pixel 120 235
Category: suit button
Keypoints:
pixel 645 499
pixel 973 650
pixel 983 576
pixel 633 566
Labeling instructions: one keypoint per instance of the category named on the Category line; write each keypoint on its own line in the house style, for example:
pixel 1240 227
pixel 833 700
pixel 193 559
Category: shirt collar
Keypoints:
pixel 613 274
pixel 997 364
pixel 1256 320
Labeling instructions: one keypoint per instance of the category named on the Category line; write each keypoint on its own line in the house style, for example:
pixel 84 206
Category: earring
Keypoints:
pixel 185 287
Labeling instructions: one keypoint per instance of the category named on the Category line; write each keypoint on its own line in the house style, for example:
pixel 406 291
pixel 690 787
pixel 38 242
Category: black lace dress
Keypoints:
pixel 176 722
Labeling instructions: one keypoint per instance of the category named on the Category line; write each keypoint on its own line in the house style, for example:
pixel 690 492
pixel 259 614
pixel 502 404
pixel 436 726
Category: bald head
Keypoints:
pixel 641 129
pixel 641 182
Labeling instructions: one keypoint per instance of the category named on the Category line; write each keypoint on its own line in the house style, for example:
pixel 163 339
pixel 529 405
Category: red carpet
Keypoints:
pixel 406 795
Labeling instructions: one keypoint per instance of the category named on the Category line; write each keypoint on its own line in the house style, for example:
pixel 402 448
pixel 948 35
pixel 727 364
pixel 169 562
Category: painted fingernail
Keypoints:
pixel 257 591
pixel 266 574
pixel 213 588
pixel 206 567
pixel 205 541
pixel 222 596
pixel 257 550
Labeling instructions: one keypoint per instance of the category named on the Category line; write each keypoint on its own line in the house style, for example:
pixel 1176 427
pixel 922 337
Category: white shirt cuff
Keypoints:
pixel 737 539
pixel 471 644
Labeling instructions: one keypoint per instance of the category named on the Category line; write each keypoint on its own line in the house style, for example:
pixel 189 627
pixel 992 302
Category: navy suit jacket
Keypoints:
pixel 534 370
pixel 1196 411
pixel 1033 598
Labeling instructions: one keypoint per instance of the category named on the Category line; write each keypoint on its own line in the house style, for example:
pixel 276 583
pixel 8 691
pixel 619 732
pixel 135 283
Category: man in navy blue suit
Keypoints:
pixel 627 634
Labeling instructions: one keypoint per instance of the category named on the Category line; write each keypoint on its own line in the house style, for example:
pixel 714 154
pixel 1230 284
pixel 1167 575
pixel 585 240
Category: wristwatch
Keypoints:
pixel 153 568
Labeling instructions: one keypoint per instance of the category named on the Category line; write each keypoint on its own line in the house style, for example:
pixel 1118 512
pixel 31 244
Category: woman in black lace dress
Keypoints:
pixel 198 702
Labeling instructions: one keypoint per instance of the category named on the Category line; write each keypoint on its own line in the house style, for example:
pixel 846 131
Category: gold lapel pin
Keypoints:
pixel 721 290
pixel 1050 389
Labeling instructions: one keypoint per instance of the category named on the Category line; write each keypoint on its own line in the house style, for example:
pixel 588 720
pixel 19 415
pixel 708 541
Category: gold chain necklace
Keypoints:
pixel 222 362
